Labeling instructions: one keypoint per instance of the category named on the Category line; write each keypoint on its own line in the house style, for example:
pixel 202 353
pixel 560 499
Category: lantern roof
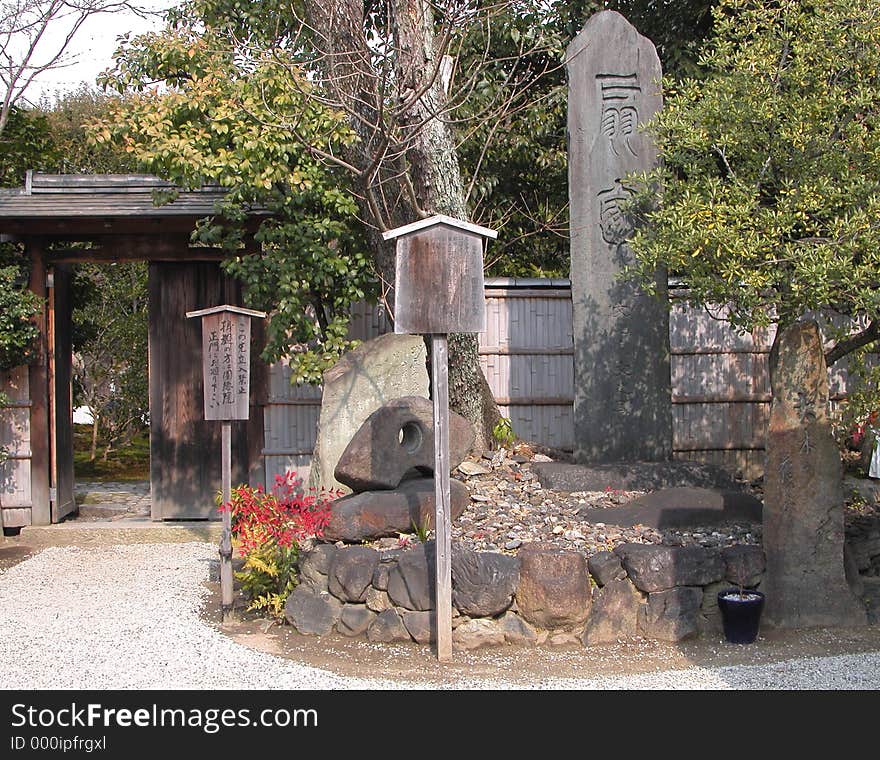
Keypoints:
pixel 433 221
pixel 226 307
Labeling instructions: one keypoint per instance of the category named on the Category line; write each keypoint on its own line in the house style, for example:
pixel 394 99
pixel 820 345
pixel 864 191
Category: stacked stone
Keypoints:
pixel 389 466
pixel 539 596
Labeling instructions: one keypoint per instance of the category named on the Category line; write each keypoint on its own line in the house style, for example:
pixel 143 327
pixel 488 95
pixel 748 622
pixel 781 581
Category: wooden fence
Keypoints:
pixel 720 382
pixel 15 438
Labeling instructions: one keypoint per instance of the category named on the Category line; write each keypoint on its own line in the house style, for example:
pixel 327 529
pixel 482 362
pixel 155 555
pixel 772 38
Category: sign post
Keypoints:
pixel 226 364
pixel 439 290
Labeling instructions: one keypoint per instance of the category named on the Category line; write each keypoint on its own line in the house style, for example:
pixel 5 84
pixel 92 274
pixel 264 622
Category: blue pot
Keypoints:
pixel 741 617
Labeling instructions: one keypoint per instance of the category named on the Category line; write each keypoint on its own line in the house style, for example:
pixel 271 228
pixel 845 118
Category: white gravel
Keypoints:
pixel 127 617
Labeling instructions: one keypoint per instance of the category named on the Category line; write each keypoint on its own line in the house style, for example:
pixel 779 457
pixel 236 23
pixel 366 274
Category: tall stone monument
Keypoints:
pixel 622 407
pixel 805 582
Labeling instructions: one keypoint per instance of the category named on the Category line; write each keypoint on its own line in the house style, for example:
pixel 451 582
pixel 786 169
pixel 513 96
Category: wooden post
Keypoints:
pixel 226 357
pixel 442 515
pixel 439 290
pixel 41 513
pixel 226 538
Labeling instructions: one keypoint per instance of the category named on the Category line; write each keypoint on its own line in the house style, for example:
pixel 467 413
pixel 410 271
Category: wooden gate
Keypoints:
pixel 184 448
pixel 62 482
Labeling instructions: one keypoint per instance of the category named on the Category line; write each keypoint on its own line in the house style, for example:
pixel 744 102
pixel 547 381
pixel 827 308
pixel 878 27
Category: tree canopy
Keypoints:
pixel 770 181
pixel 215 122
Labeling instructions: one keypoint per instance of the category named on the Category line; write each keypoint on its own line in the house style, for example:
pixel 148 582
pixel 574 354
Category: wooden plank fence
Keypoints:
pixel 720 381
pixel 15 438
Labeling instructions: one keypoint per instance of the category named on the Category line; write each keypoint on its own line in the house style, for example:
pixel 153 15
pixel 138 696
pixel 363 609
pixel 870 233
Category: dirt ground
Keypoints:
pixel 517 664
pixel 530 665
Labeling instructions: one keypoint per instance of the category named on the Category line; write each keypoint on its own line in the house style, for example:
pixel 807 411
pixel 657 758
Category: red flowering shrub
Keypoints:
pixel 267 527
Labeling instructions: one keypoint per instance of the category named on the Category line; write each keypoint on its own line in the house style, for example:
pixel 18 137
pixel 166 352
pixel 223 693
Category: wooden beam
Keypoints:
pixel 442 516
pixel 140 249
pixel 38 381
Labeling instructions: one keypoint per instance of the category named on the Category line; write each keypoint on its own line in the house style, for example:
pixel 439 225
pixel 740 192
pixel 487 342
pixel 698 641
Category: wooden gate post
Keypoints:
pixel 226 354
pixel 439 290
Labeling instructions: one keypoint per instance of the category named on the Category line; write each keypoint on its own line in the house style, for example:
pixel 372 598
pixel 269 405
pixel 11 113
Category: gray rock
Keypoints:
pixel 554 588
pixel 421 626
pixel 563 639
pixel 805 583
pixel 633 476
pixel 483 583
pixel 681 507
pixel 380 577
pixel 396 439
pixel 474 634
pixel 657 568
pixel 315 565
pixel 312 613
pixel 364 379
pixel 743 565
pixel 516 630
pixel 605 567
pixel 411 580
pixel 374 514
pixel 672 615
pixel 351 573
pixel 622 409
pixel 710 615
pixel 473 468
pixel 614 615
pixel 377 600
pixel 355 619
pixel 387 628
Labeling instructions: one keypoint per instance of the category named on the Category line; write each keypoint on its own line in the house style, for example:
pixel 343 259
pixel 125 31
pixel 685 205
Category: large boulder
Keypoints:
pixel 351 573
pixel 633 476
pixel 387 628
pixel 421 625
pixel 314 566
pixel 805 583
pixel 681 507
pixel 605 567
pixel 554 588
pixel 312 613
pixel 363 380
pixel 657 568
pixel 483 583
pixel 355 619
pixel 397 439
pixel 374 514
pixel 411 580
pixel 480 632
pixel 672 615
pixel 614 615
pixel 743 565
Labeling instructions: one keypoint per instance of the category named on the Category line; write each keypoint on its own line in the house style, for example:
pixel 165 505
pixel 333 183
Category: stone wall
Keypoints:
pixel 539 596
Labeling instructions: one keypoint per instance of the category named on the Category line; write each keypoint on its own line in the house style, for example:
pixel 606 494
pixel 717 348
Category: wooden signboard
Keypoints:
pixel 439 290
pixel 226 364
pixel 226 341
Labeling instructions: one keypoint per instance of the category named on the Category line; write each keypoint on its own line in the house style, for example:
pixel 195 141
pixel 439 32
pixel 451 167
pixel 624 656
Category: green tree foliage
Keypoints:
pixel 771 168
pixel 26 143
pixel 67 118
pixel 216 122
pixel 18 306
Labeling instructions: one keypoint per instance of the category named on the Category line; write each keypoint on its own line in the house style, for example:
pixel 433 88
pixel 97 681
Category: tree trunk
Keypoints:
pixel 93 452
pixel 429 181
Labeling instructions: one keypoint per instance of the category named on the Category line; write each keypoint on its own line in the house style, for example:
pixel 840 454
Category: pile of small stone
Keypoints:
pixel 509 508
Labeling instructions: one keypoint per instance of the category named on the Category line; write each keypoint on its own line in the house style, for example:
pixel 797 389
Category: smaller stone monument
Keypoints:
pixel 805 584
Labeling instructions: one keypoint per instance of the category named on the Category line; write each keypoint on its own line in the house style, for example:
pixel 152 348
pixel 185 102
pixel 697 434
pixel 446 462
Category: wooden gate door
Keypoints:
pixel 185 449
pixel 62 483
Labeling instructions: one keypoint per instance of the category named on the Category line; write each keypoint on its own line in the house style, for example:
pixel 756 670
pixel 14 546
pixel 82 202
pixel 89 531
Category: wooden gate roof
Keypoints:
pixel 81 206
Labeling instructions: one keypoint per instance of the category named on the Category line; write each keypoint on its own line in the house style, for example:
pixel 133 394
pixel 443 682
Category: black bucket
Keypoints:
pixel 740 616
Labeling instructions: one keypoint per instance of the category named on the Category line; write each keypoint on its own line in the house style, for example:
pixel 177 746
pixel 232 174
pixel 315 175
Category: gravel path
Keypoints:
pixel 127 617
